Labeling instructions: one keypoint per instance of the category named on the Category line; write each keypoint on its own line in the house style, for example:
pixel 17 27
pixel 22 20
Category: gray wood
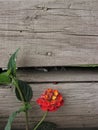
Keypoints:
pixel 80 108
pixel 73 129
pixel 49 33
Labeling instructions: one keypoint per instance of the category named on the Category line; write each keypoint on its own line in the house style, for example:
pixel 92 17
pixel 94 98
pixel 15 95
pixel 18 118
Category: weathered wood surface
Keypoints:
pixel 93 128
pixel 80 108
pixel 49 32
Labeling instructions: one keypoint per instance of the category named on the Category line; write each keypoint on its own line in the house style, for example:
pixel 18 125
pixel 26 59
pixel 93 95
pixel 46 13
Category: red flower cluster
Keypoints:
pixel 50 100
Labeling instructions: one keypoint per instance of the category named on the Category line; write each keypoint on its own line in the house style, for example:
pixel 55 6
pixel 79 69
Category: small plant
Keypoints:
pixel 49 101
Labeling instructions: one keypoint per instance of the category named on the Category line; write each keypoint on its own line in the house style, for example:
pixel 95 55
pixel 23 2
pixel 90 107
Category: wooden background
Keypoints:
pixel 52 33
pixel 49 32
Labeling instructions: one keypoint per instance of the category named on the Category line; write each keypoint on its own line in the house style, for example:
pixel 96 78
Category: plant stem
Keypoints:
pixel 22 98
pixel 16 85
pixel 44 116
pixel 26 115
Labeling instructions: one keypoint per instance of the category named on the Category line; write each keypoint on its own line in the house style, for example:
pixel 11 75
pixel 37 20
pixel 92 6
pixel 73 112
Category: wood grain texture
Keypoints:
pixel 80 108
pixel 49 33
pixel 93 128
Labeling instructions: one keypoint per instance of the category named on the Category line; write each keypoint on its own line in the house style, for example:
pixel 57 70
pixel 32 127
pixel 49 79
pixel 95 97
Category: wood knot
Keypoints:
pixel 42 8
pixel 49 53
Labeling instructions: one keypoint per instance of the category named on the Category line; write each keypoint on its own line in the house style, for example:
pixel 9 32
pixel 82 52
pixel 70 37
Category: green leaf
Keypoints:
pixel 12 63
pixel 26 91
pixel 11 119
pixel 47 126
pixel 5 78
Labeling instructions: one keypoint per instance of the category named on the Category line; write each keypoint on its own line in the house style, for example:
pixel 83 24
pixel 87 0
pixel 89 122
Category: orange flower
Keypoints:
pixel 50 100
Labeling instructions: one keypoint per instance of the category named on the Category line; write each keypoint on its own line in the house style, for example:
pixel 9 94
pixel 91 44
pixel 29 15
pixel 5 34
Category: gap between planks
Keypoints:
pixel 69 75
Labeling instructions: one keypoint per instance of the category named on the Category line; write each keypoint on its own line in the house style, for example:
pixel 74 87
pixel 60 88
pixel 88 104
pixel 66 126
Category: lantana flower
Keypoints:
pixel 50 100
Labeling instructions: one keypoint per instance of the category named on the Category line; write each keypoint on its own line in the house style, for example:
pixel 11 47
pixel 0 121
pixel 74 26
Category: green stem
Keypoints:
pixel 16 85
pixel 22 98
pixel 27 125
pixel 43 118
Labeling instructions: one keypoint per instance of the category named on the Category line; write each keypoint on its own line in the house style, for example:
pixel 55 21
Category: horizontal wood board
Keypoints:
pixel 93 128
pixel 80 108
pixel 49 32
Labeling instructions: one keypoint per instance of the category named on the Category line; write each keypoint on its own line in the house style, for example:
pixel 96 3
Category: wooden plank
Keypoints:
pixel 73 128
pixel 77 122
pixel 68 75
pixel 49 33
pixel 80 108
